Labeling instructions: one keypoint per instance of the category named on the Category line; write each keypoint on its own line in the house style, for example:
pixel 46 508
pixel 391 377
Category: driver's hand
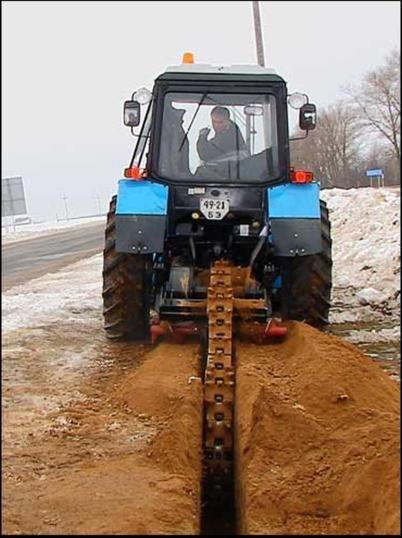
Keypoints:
pixel 205 131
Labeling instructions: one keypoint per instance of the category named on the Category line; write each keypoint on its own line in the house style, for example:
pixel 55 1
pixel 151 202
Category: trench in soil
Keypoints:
pixel 218 515
pixel 305 461
pixel 219 519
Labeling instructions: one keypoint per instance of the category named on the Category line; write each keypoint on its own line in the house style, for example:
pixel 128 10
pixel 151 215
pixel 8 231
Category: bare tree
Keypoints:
pixel 377 101
pixel 331 151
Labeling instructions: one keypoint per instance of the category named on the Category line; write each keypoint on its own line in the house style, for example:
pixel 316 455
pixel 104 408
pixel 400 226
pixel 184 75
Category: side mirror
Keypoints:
pixel 132 113
pixel 307 117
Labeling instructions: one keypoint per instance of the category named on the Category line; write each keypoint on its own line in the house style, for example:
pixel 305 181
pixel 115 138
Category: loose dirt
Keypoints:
pixel 103 442
pixel 317 430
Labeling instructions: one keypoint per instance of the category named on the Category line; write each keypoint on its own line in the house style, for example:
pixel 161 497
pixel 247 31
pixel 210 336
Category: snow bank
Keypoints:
pixel 366 243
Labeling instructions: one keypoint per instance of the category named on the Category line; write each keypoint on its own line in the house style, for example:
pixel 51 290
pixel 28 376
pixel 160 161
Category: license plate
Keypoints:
pixel 214 209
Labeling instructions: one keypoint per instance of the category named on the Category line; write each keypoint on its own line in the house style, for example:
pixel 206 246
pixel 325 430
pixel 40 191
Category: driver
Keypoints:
pixel 227 141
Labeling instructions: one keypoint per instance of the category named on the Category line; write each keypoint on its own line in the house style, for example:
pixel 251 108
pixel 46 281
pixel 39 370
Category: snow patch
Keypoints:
pixel 69 294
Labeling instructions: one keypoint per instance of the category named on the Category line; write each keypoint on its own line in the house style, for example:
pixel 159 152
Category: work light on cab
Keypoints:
pixel 297 100
pixel 143 96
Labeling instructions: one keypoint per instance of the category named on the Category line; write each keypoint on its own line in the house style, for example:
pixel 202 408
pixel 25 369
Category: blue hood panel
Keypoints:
pixel 294 201
pixel 141 198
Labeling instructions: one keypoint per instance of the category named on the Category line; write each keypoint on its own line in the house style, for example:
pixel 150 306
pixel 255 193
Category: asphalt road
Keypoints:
pixel 31 258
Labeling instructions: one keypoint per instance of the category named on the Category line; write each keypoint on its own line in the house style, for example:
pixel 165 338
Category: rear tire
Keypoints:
pixel 126 288
pixel 308 281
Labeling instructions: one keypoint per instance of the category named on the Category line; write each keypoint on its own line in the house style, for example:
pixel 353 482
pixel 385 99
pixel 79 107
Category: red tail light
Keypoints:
pixel 301 176
pixel 135 172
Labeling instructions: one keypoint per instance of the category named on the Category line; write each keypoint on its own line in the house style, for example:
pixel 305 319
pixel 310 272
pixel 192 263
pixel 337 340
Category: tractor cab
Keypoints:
pixel 221 125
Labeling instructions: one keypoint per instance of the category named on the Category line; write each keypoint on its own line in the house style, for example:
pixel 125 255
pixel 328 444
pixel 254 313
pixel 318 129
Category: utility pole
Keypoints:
pixel 258 34
pixel 99 204
pixel 65 205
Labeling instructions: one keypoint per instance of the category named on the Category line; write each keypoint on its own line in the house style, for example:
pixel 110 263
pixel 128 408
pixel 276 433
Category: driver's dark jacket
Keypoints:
pixel 228 141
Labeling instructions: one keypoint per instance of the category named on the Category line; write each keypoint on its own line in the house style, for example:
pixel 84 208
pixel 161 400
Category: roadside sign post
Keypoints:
pixel 13 199
pixel 376 174
pixel 4 217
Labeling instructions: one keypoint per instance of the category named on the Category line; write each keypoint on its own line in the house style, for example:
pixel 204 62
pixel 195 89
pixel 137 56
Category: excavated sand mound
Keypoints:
pixel 164 391
pixel 167 391
pixel 317 429
pixel 124 461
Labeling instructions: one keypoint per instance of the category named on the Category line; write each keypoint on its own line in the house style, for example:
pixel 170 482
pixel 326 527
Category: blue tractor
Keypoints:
pixel 212 228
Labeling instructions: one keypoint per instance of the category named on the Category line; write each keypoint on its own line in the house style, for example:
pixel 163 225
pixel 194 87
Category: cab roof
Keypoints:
pixel 194 71
pixel 229 69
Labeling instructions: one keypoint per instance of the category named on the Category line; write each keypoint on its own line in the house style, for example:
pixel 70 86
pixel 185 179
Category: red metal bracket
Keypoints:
pixel 274 330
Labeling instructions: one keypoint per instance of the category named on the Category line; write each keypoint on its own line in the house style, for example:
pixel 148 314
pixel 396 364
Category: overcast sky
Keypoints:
pixel 67 68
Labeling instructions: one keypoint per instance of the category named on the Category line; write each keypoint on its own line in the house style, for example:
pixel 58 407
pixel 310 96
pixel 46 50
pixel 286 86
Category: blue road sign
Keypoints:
pixel 374 172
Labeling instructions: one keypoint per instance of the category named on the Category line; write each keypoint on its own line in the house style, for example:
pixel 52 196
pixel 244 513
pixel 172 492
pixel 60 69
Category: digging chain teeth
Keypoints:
pixel 219 378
